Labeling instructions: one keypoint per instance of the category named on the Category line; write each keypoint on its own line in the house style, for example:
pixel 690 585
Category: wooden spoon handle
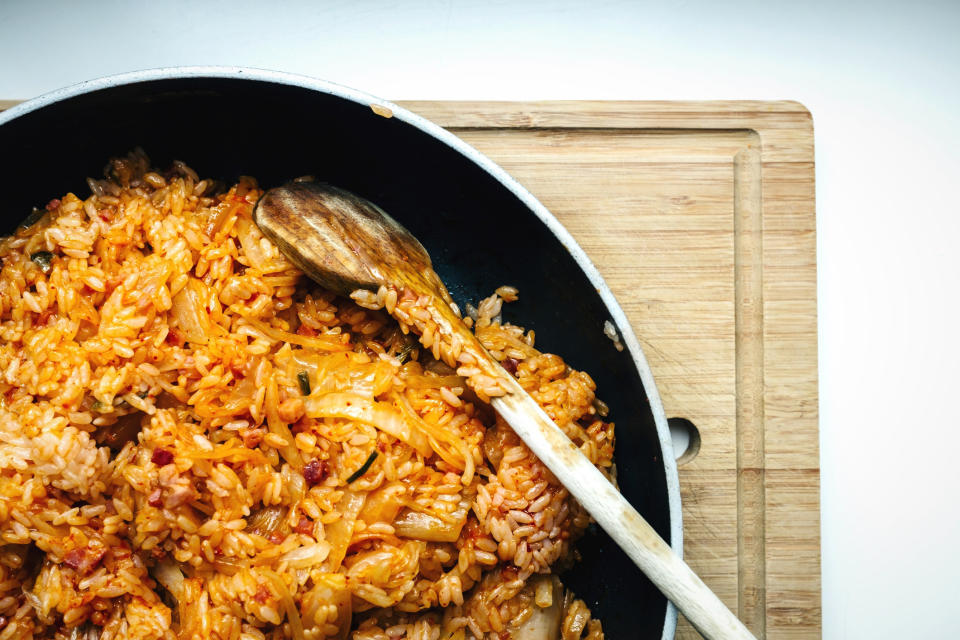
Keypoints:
pixel 612 511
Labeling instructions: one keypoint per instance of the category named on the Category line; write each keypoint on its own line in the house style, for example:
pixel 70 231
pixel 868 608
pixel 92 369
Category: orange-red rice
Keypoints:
pixel 162 476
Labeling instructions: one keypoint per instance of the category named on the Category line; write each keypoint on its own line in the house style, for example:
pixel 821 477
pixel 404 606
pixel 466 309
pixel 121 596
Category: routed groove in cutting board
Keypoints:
pixel 751 494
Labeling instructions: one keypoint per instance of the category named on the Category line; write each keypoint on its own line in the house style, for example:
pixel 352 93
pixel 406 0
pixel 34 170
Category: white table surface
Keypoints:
pixel 881 79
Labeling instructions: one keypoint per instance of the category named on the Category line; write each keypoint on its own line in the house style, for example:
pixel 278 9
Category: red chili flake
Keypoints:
pixel 382 446
pixel 262 594
pixel 315 472
pixel 510 364
pixel 161 457
pixel 53 204
pixel 83 560
pixel 156 498
pixel 305 527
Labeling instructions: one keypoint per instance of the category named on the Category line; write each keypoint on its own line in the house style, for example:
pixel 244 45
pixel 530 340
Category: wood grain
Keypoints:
pixel 700 216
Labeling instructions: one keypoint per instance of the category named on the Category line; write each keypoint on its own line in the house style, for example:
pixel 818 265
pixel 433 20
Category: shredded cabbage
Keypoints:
pixel 381 415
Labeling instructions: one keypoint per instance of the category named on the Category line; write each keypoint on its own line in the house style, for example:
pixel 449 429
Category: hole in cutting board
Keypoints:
pixel 686 439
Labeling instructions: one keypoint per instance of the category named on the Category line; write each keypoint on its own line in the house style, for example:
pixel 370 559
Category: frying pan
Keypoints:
pixel 480 226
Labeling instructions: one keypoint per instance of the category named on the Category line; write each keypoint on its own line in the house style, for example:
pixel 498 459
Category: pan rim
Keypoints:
pixel 628 338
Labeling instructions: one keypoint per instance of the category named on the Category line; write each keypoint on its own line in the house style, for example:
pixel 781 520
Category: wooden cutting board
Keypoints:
pixel 700 216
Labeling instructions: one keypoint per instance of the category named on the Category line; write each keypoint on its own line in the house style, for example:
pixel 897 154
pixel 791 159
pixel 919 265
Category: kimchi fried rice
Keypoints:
pixel 198 442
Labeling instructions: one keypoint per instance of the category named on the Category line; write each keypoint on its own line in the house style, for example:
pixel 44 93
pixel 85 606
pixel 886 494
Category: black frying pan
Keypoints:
pixel 481 228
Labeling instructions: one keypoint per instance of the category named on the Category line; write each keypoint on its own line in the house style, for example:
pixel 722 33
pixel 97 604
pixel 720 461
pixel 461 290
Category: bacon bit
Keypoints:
pixel 315 472
pixel 262 595
pixel 84 560
pixel 304 330
pixel 175 338
pixel 291 410
pixel 156 498
pixel 96 524
pixel 510 364
pixel 382 446
pixel 305 527
pixel 161 457
pixel 301 425
pixel 53 204
pixel 251 437
pixel 276 537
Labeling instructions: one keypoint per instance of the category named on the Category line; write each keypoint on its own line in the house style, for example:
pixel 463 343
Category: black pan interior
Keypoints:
pixel 479 234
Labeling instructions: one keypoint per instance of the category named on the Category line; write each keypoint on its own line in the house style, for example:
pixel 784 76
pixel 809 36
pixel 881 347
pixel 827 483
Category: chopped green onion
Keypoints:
pixel 363 469
pixel 304 381
pixel 42 259
pixel 404 352
pixel 97 405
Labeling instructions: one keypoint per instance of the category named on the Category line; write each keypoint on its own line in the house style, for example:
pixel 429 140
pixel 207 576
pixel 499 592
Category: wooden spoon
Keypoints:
pixel 347 243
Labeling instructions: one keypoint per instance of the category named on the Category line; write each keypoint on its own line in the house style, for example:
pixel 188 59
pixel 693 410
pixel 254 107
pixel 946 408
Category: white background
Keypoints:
pixel 881 79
